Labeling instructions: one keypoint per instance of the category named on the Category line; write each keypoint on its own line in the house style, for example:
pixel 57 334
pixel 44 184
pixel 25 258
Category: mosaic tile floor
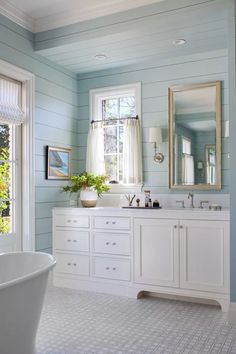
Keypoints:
pixel 76 322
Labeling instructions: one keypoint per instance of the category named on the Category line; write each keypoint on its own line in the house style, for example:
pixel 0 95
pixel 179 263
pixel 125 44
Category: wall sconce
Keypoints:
pixel 155 137
pixel 200 168
pixel 225 129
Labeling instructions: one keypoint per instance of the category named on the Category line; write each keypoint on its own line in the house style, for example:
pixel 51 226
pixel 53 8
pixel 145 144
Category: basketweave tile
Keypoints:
pixel 77 322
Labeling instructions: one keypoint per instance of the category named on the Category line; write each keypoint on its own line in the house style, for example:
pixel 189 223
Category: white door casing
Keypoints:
pixel 27 222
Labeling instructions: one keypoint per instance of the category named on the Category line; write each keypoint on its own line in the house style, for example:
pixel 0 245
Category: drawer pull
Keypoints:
pixel 68 240
pixel 75 221
pixel 175 226
pixel 68 220
pixel 69 264
pixel 114 268
pixel 107 243
pixel 107 222
pixel 107 268
pixel 114 244
pixel 74 240
pixel 74 264
pixel 181 227
pixel 113 222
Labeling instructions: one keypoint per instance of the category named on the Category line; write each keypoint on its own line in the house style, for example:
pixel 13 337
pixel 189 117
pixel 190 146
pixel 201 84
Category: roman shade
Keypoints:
pixel 11 102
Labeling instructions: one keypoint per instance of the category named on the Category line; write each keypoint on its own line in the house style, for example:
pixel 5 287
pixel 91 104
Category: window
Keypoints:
pixel 112 110
pixel 22 144
pixel 186 146
pixel 10 179
pixel 112 107
pixel 11 118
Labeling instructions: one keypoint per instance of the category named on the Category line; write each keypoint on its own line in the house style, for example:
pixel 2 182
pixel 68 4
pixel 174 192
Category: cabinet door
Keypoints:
pixel 156 252
pixel 204 255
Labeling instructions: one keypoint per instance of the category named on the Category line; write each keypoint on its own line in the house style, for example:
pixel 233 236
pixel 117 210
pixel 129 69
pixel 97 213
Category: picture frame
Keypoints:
pixel 58 163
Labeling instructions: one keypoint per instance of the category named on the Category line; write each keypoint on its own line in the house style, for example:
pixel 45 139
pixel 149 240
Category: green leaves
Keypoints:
pixel 4 189
pixel 87 180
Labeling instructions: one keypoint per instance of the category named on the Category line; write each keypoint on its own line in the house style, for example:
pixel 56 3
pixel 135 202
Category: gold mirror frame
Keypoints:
pixel 171 91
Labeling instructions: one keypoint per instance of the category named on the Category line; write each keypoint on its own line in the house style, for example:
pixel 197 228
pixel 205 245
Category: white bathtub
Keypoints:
pixel 23 281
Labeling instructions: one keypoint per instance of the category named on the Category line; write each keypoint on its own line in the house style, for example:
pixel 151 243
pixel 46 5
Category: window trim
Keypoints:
pixel 95 98
pixel 97 95
pixel 28 170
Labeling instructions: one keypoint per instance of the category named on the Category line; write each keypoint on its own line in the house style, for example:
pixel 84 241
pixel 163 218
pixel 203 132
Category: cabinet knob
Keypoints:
pixel 175 226
pixel 74 240
pixel 114 268
pixel 107 243
pixel 113 222
pixel 107 222
pixel 181 227
pixel 68 240
pixel 69 264
pixel 114 243
pixel 75 221
pixel 68 220
pixel 74 264
pixel 107 268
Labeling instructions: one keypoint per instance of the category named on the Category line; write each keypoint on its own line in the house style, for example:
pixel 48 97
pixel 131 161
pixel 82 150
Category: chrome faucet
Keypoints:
pixel 191 196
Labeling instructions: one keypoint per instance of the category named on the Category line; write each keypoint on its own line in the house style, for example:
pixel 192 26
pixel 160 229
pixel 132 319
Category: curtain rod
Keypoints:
pixel 102 120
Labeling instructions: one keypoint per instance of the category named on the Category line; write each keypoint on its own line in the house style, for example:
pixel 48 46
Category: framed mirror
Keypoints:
pixel 195 136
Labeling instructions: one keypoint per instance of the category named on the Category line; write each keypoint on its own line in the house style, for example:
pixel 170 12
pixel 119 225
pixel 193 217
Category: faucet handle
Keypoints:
pixel 182 203
pixel 203 202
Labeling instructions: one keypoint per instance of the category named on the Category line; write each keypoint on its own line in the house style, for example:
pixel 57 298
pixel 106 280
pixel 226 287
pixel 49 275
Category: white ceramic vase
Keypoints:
pixel 88 198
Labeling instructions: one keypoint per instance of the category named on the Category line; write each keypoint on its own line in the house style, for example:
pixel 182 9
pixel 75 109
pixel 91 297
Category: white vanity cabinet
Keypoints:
pixel 185 254
pixel 204 255
pixel 156 252
pixel 125 252
pixel 110 236
pixel 93 250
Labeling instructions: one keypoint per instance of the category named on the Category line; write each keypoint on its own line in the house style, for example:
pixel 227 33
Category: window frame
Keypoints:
pixel 27 148
pixel 96 96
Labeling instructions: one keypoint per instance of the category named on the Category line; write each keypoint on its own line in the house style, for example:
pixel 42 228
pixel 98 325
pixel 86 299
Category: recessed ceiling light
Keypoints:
pixel 100 56
pixel 179 41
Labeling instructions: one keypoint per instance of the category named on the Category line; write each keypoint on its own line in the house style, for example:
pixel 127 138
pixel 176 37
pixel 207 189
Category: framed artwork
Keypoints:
pixel 58 163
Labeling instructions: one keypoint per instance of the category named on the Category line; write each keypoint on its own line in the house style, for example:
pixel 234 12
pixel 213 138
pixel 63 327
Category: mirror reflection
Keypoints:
pixel 194 127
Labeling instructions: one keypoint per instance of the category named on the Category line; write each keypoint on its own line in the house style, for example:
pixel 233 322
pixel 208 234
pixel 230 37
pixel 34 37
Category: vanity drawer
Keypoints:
pixel 109 222
pixel 72 264
pixel 116 269
pixel 72 240
pixel 104 242
pixel 72 221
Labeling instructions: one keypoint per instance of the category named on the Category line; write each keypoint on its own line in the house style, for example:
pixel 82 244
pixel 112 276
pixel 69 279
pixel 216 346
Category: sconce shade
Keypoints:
pixel 155 135
pixel 226 129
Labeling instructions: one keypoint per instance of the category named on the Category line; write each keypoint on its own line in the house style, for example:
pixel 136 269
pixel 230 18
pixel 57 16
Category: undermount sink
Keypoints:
pixel 141 207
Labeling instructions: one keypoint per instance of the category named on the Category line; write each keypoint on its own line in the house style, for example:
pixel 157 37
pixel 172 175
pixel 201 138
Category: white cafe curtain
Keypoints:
pixel 95 149
pixel 132 157
pixel 10 102
pixel 187 169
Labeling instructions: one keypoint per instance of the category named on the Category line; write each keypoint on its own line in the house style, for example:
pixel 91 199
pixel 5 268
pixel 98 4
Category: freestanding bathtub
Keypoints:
pixel 23 281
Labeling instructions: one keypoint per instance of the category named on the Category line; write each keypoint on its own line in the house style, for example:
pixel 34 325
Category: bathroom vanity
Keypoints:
pixel 128 251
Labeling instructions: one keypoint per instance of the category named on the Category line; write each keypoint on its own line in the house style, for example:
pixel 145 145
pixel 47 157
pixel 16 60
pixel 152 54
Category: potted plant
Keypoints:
pixel 90 186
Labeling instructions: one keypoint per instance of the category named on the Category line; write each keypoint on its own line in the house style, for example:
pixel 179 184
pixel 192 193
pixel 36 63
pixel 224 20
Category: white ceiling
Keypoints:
pixel 197 100
pixel 44 15
pixel 144 34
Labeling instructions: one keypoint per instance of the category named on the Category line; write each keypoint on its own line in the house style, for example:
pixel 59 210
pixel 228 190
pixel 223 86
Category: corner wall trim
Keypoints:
pixel 232 313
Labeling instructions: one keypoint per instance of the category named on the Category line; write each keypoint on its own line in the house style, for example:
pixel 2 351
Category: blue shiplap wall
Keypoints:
pixel 56 114
pixel 156 77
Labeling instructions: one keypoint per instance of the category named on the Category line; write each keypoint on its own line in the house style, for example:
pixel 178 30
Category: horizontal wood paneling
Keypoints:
pixel 156 79
pixel 56 120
